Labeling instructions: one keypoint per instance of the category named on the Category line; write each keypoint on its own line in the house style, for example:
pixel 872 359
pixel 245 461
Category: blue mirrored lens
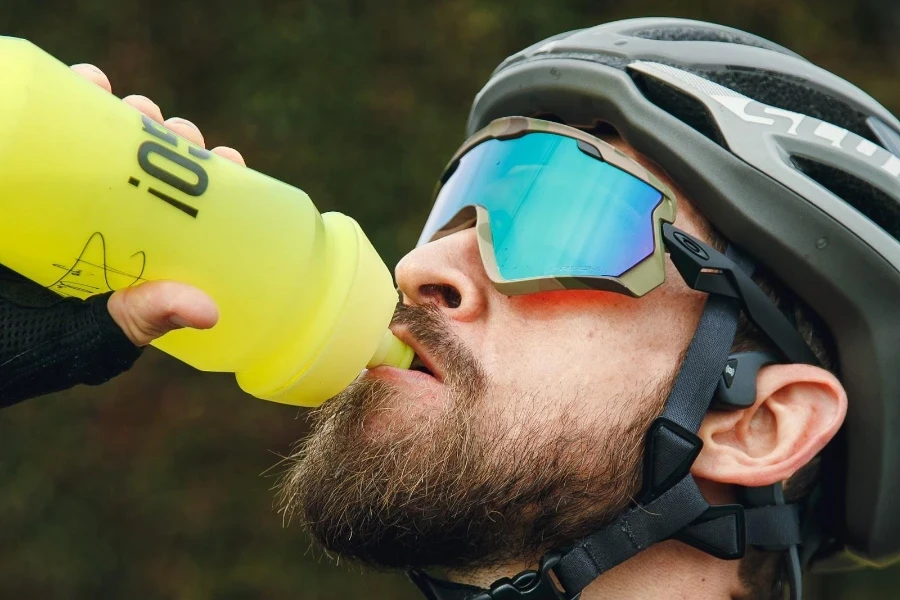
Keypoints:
pixel 554 210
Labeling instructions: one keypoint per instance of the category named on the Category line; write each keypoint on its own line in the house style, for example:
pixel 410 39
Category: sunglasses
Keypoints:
pixel 555 208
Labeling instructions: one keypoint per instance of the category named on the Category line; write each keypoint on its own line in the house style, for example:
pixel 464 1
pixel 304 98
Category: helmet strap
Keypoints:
pixel 671 505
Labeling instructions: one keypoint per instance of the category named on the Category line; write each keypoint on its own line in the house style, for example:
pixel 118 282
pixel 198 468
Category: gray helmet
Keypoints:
pixel 794 165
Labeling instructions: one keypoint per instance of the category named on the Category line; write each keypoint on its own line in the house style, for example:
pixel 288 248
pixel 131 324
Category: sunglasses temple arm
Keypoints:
pixel 705 269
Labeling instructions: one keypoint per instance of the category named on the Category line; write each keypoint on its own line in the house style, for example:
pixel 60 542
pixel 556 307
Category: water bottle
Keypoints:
pixel 95 196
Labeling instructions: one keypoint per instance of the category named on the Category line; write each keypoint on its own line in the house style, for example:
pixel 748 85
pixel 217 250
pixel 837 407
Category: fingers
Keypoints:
pixel 147 311
pixel 231 154
pixel 178 125
pixel 93 74
pixel 185 129
pixel 145 105
pixel 181 126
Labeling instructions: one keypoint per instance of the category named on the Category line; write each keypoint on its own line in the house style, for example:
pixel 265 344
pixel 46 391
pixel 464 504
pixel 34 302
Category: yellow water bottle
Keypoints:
pixel 95 196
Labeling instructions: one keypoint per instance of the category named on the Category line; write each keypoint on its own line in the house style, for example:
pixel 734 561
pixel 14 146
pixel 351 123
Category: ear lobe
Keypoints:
pixel 798 410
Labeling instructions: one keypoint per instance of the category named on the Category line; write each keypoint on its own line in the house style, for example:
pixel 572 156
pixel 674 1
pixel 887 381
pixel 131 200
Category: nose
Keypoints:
pixel 447 273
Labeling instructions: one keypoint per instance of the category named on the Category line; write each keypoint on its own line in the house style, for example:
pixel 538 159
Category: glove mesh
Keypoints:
pixel 49 343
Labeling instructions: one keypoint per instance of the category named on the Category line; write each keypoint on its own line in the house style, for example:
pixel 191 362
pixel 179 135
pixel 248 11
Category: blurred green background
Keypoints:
pixel 155 485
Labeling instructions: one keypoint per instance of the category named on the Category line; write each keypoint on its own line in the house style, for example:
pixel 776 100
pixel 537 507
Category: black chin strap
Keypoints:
pixel 671 505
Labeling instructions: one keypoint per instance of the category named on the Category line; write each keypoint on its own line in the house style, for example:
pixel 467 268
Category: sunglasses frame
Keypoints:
pixel 635 282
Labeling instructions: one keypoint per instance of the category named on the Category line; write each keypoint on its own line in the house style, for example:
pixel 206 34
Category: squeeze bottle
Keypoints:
pixel 95 196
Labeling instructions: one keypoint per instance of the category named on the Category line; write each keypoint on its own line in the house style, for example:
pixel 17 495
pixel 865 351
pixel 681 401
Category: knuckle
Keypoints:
pixel 186 129
pixel 136 317
pixel 230 154
pixel 182 121
pixel 144 104
pixel 144 330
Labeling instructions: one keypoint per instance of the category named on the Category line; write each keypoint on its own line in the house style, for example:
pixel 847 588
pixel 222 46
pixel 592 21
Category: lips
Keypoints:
pixel 422 361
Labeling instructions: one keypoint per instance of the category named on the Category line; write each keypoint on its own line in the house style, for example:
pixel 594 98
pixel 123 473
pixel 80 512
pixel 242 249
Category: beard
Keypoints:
pixel 478 481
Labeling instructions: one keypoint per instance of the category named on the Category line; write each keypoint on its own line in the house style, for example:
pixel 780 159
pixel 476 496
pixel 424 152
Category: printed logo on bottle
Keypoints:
pixel 161 160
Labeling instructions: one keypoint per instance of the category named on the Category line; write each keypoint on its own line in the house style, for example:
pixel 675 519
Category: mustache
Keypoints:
pixel 424 321
pixel 464 377
pixel 430 327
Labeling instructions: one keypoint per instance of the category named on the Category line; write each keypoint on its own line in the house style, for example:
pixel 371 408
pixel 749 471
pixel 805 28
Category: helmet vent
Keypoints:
pixel 775 89
pixel 871 201
pixel 686 33
pixel 683 107
pixel 790 93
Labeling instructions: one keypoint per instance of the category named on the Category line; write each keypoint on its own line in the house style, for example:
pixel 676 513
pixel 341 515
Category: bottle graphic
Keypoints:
pixel 95 196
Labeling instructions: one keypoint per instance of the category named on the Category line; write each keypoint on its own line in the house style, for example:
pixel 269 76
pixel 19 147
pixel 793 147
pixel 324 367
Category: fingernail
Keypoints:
pixel 179 321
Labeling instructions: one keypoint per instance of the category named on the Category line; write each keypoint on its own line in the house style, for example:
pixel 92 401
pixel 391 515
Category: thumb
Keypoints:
pixel 153 308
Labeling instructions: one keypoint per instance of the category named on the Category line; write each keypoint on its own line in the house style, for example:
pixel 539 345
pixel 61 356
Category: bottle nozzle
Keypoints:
pixel 391 352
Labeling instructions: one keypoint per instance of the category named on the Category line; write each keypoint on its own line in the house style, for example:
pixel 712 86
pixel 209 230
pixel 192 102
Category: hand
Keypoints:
pixel 151 309
pixel 50 343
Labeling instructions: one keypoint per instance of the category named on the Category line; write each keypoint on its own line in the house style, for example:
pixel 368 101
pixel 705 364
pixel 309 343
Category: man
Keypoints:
pixel 588 414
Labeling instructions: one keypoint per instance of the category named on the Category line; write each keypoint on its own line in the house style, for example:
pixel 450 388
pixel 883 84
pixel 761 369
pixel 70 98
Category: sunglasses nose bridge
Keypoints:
pixel 464 218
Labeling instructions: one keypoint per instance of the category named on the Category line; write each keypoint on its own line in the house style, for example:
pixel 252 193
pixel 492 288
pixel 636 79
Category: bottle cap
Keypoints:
pixel 391 352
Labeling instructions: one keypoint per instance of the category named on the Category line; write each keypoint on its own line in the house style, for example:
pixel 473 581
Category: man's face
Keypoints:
pixel 529 434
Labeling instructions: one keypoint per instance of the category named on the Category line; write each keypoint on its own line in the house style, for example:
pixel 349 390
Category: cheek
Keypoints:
pixel 555 353
pixel 564 303
pixel 603 326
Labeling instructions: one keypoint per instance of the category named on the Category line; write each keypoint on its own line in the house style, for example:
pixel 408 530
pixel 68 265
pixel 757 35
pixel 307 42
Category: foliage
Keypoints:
pixel 157 484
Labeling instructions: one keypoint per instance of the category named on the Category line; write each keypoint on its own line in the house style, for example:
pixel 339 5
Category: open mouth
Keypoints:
pixel 423 360
pixel 419 365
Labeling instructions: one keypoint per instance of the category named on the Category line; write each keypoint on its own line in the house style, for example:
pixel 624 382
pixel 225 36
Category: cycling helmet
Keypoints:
pixel 795 166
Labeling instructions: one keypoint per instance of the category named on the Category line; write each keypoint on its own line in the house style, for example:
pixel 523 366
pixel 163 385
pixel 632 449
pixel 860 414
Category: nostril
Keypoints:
pixel 449 295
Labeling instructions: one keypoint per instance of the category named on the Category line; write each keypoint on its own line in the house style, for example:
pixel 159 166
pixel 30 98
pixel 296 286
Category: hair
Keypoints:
pixel 761 572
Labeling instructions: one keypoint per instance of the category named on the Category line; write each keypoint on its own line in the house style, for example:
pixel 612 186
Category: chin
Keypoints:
pixel 415 398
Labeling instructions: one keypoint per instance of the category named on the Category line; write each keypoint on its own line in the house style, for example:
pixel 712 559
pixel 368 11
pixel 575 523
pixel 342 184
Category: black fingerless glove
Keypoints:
pixel 49 343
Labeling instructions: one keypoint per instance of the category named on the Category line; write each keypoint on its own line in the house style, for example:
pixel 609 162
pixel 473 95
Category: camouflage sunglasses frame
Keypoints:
pixel 635 282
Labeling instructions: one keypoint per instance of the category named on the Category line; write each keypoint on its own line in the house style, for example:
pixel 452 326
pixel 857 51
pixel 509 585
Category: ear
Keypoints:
pixel 798 410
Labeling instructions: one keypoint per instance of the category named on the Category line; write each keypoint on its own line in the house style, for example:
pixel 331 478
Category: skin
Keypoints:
pixel 602 340
pixel 595 348
pixel 149 310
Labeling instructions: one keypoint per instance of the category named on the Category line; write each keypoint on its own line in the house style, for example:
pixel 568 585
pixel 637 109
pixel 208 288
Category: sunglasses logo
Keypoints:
pixel 691 245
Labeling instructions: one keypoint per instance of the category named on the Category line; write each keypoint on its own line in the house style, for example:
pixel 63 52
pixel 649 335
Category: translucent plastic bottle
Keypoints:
pixel 95 196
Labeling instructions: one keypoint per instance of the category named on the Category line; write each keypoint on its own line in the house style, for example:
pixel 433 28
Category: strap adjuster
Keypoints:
pixel 669 452
pixel 720 531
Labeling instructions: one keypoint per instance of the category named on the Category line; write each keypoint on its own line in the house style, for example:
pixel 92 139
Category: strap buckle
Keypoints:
pixel 532 585
pixel 527 585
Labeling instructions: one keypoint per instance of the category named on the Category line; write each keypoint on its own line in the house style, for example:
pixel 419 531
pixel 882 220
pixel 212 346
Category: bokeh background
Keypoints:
pixel 158 484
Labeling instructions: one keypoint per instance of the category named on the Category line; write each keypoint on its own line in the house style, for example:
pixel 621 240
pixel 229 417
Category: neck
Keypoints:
pixel 667 570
